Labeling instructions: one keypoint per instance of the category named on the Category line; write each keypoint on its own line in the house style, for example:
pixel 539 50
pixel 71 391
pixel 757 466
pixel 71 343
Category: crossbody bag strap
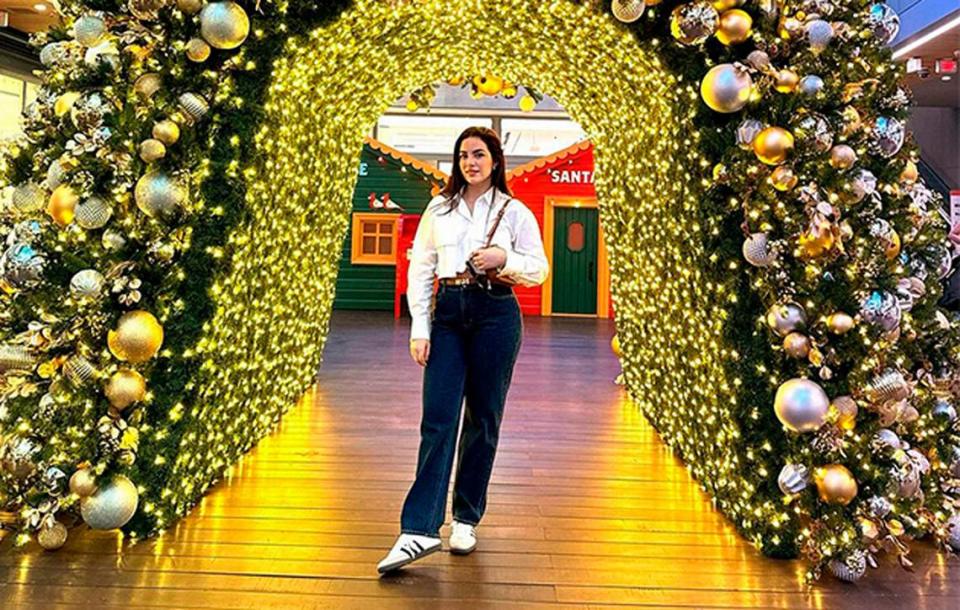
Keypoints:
pixel 496 223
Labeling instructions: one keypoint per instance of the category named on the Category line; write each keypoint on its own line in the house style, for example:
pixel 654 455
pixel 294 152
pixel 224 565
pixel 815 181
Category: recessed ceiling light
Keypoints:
pixel 40 7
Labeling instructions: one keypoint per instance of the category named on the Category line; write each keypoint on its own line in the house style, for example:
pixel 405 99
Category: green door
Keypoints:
pixel 575 260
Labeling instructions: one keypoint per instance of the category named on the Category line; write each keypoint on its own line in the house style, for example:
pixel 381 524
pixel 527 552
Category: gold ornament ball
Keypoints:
pixel 786 81
pixel 224 25
pixel 797 345
pixel 53 537
pixel 892 247
pixel 83 483
pixel 842 156
pixel 151 150
pixel 772 145
pixel 125 387
pixel 725 5
pixel 783 178
pixel 615 346
pixel 489 84
pixel 910 173
pixel 166 131
pixel 734 27
pixel 412 106
pixel 835 484
pixel 839 323
pixel 653 2
pixel 62 205
pixel 138 337
pixel 198 50
pixel 190 7
pixel 527 103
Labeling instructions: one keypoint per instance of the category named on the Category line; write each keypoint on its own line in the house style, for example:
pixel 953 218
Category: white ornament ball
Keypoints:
pixel 819 34
pixel 158 195
pixel 811 85
pixel 86 284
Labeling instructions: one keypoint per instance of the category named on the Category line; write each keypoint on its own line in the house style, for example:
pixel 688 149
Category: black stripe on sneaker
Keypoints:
pixel 410 553
pixel 417 546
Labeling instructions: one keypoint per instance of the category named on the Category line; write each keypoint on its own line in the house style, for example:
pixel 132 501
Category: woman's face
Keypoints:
pixel 475 161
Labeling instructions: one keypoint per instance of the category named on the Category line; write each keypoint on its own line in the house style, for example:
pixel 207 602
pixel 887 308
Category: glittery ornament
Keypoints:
pixel 194 106
pixel 890 385
pixel 137 338
pixel 83 482
pixel 151 150
pixel 86 284
pixel 694 22
pixel 884 22
pixel 93 213
pixel 158 195
pixel 793 479
pixel 190 7
pixel 846 409
pixel 627 11
pixel 862 184
pixel 851 568
pixel 944 411
pixel 79 370
pixel 145 10
pixel 757 250
pixel 197 50
pixel 52 537
pixel 747 132
pixel 89 30
pixel 22 266
pixel 886 136
pixel 18 457
pixel 842 156
pixel 813 131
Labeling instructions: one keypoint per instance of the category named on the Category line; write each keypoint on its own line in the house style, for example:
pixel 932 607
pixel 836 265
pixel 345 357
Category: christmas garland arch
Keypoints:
pixel 178 205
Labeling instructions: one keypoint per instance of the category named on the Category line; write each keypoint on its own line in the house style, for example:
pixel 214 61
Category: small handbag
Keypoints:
pixel 491 274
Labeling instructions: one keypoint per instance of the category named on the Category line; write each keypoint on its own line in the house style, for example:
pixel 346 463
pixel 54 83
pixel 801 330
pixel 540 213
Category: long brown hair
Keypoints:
pixel 498 176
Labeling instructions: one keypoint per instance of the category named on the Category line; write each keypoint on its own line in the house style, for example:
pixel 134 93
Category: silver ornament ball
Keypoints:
pixel 811 85
pixel 884 22
pixel 726 88
pixel 747 132
pixel 801 405
pixel 158 195
pixel 89 30
pixel 819 34
pixel 881 308
pixel 111 506
pixel 93 213
pixel 784 318
pixel 886 136
pixel 29 198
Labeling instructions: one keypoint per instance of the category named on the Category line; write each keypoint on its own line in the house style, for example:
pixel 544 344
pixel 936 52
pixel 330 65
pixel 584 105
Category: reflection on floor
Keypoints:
pixel 587 508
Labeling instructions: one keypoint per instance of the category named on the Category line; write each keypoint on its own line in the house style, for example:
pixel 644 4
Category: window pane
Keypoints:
pixel 386 227
pixel 11 105
pixel 386 244
pixel 369 245
pixel 368 227
pixel 575 236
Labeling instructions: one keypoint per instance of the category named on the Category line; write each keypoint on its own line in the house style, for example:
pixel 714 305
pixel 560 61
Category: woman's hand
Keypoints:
pixel 493 257
pixel 420 350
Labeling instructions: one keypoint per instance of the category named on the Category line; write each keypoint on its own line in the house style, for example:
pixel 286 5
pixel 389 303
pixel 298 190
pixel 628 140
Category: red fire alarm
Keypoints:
pixel 946 65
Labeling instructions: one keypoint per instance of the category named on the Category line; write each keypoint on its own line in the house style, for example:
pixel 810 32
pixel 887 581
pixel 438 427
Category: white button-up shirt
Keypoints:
pixel 446 239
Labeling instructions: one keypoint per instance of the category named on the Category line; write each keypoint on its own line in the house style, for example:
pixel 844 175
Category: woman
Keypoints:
pixel 471 348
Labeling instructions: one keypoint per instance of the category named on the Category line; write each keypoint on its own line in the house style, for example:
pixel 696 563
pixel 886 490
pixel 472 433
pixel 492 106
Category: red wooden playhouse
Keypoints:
pixel 559 191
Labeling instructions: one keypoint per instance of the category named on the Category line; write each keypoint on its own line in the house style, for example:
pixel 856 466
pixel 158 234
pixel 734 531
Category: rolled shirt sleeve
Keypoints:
pixel 526 262
pixel 423 265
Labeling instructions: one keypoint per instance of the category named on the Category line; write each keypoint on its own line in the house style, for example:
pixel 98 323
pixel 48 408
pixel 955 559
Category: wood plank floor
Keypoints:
pixel 587 508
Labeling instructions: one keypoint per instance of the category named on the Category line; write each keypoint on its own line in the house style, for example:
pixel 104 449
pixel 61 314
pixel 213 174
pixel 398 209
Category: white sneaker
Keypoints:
pixel 463 538
pixel 408 548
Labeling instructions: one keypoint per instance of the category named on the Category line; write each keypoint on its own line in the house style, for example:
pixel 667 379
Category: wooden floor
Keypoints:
pixel 587 508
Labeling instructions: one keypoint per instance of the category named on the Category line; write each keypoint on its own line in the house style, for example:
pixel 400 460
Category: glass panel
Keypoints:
pixel 386 244
pixel 425 136
pixel 369 245
pixel 386 227
pixel 11 105
pixel 575 236
pixel 368 227
pixel 538 137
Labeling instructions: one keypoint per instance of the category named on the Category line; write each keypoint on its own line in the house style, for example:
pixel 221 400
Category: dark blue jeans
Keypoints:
pixel 474 343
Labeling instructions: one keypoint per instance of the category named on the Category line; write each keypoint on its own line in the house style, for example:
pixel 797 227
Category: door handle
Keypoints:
pixel 590 271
